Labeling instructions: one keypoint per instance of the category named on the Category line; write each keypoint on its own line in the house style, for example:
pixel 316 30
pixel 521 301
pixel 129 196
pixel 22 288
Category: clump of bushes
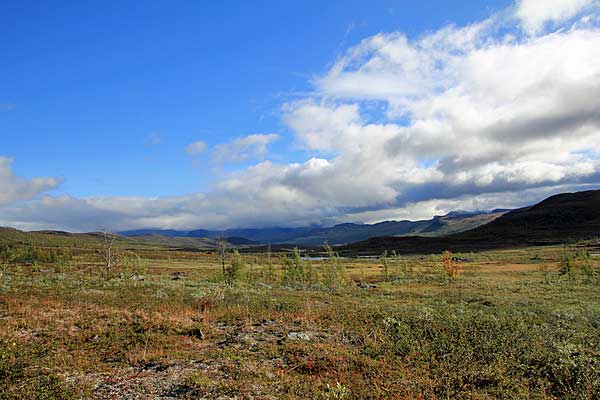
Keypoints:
pixel 297 273
pixel 394 268
pixel 479 351
pixel 32 255
pixel 18 380
pixel 452 268
pixel 334 271
pixel 576 263
pixel 233 269
pixel 385 264
pixel 131 263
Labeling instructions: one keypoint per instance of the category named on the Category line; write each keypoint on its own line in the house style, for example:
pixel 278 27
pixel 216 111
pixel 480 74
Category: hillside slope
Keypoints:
pixel 569 216
pixel 559 219
pixel 11 236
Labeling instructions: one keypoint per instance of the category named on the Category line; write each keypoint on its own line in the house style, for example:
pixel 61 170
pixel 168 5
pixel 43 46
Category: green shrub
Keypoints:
pixel 334 272
pixel 577 262
pixel 566 265
pixel 33 255
pixel 18 380
pixel 475 350
pixel 132 263
pixel 404 269
pixel 268 272
pixel 234 269
pixel 385 263
pixel 294 271
pixel 545 270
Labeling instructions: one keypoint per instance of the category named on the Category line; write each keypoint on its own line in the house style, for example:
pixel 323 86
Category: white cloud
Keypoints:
pixel 196 148
pixel 534 14
pixel 14 189
pixel 318 127
pixel 489 113
pixel 243 148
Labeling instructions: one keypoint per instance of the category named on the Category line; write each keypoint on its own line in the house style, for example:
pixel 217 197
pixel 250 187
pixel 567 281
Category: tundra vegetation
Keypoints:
pixel 167 323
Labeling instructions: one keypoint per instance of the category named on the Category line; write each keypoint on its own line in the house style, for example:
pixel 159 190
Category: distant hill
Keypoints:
pixel 457 221
pixel 559 219
pixel 240 241
pixel 261 235
pixel 48 238
pixel 11 236
pixel 184 242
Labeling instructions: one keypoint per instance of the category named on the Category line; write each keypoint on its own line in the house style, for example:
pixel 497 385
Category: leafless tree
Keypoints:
pixel 222 251
pixel 109 254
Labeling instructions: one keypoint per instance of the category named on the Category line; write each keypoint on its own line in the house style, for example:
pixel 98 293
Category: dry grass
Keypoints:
pixel 498 330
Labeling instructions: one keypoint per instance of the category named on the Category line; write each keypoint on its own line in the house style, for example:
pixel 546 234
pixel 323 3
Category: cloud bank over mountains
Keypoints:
pixel 495 114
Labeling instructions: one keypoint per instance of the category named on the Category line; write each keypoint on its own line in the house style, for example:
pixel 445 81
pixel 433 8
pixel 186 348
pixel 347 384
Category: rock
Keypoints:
pixel 196 333
pixel 299 336
pixel 458 259
pixel 178 276
pixel 265 285
pixel 365 285
pixel 137 277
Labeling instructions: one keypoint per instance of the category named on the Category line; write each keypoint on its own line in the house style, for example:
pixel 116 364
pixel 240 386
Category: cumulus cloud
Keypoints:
pixel 467 111
pixel 244 148
pixel 472 117
pixel 14 188
pixel 195 148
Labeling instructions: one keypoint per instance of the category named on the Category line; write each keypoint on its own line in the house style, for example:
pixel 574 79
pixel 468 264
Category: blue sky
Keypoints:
pixel 89 82
pixel 307 112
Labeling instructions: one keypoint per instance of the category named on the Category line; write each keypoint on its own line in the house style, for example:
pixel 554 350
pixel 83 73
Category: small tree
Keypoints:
pixel 334 272
pixel 403 268
pixel 451 268
pixel 385 263
pixel 311 275
pixel 234 269
pixel 567 265
pixel 132 263
pixel 588 270
pixel 222 246
pixel 110 255
pixel 294 274
pixel 545 270
pixel 268 271
pixel 573 262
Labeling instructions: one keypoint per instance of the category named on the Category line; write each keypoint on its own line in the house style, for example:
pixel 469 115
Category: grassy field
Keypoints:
pixel 515 324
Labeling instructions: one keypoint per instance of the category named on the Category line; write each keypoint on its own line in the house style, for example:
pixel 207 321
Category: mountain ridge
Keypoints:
pixel 343 233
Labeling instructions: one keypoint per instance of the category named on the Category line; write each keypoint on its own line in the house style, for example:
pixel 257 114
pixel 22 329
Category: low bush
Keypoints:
pixel 477 351
pixel 18 380
pixel 34 255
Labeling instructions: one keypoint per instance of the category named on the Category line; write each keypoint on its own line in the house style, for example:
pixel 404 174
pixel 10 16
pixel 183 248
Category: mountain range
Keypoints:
pixel 456 221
